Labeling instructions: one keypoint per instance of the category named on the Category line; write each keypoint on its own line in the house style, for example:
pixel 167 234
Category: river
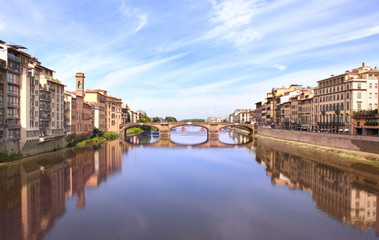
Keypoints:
pixel 188 187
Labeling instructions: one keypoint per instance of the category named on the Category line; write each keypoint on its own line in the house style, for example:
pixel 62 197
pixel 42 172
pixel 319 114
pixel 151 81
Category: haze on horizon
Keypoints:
pixel 194 58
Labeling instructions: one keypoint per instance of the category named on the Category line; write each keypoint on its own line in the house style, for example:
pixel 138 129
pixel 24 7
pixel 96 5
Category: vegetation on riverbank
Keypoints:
pixel 337 152
pixel 138 130
pixel 4 157
pixel 134 131
pixel 98 139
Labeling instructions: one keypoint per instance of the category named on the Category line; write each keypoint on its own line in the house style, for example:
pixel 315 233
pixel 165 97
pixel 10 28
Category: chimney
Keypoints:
pixel 363 64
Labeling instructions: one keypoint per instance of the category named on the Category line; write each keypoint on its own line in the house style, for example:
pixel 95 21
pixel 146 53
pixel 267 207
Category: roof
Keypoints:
pixel 50 80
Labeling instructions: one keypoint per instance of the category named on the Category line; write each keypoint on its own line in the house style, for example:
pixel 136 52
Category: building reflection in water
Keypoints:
pixel 33 193
pixel 349 195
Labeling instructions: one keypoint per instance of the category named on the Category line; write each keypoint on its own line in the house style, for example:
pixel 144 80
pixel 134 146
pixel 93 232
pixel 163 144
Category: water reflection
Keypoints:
pixel 180 193
pixel 33 193
pixel 145 138
pixel 189 135
pixel 229 136
pixel 347 191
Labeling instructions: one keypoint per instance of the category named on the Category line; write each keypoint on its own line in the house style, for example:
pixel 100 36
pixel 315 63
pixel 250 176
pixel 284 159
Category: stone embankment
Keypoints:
pixel 33 147
pixel 349 142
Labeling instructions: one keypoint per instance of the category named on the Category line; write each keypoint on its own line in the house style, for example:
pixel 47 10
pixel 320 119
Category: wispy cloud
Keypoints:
pixel 232 20
pixel 134 13
pixel 193 58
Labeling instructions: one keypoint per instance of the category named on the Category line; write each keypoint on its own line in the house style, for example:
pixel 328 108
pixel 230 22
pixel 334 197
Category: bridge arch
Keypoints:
pixel 248 127
pixel 188 124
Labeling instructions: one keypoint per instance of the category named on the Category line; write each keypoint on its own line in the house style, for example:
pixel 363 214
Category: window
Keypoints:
pixel 359 95
pixel 347 106
pixel 347 86
pixel 370 85
pixel 370 95
pixel 342 96
pixel 376 95
pixel 359 106
pixel 370 106
pixel 359 85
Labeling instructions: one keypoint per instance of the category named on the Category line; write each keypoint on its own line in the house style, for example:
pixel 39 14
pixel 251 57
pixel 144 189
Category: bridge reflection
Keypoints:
pixel 235 140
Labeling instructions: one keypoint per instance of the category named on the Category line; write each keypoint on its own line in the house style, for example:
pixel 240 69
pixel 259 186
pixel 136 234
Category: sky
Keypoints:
pixel 194 58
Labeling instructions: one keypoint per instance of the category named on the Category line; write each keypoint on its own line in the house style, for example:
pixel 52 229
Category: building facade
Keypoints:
pixel 337 97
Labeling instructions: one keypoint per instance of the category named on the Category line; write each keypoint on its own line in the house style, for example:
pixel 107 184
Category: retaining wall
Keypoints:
pixel 32 147
pixel 351 142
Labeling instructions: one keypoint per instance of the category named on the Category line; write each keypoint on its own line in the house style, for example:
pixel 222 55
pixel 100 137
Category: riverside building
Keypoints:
pixel 32 106
pixel 338 97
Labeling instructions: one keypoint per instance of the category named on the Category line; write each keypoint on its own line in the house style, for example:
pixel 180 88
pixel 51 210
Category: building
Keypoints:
pixel 3 85
pixel 113 110
pixel 139 114
pixel 212 119
pixel 51 98
pixel 240 116
pixel 337 97
pixel 305 107
pixel 33 105
pixel 107 110
pixel 125 114
pixel 258 113
pixel 97 99
pixel 10 85
pixel 366 122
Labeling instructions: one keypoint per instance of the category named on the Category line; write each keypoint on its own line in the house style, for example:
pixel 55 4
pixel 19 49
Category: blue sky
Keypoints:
pixel 194 58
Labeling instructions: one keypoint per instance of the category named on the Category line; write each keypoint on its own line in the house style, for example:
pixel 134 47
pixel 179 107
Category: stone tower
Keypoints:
pixel 80 84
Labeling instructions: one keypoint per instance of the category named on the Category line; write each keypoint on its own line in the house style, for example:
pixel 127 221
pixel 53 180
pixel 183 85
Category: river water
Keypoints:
pixel 188 187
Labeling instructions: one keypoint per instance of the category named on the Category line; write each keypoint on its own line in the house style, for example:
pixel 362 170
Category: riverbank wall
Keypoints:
pixel 33 147
pixel 350 142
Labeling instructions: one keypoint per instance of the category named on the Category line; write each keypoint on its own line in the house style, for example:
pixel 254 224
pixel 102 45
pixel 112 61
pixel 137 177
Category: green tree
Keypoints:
pixel 144 119
pixel 156 119
pixel 170 119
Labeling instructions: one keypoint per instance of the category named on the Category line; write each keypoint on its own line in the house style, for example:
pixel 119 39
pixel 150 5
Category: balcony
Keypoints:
pixel 15 70
pixel 13 126
pixel 13 104
pixel 45 108
pixel 14 57
pixel 330 123
pixel 14 81
pixel 45 89
pixel 323 112
pixel 45 118
pixel 13 137
pixel 13 93
pixel 366 114
pixel 44 98
pixel 13 116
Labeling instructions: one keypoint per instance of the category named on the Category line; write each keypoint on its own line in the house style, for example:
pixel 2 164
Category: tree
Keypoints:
pixel 144 119
pixel 170 119
pixel 156 119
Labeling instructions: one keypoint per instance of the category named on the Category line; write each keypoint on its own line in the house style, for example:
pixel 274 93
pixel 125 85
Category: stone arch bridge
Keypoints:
pixel 165 128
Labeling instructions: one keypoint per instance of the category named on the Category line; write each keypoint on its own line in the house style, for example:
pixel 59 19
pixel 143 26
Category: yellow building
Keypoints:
pixel 107 110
